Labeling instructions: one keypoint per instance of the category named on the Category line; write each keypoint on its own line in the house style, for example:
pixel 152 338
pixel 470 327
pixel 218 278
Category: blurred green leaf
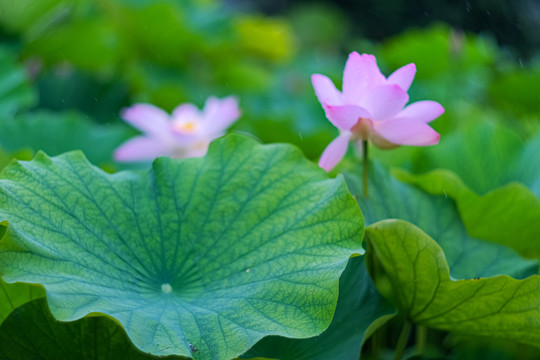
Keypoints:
pixel 437 50
pixel 90 44
pixel 473 348
pixel 526 168
pixel 515 91
pixel 509 215
pixel 159 32
pixel 6 156
pixel 319 25
pixel 56 133
pixel 23 15
pixel 15 90
pixel 429 50
pixel 486 169
pixel 65 87
pixel 415 275
pixel 483 154
pixel 451 66
pixel 270 38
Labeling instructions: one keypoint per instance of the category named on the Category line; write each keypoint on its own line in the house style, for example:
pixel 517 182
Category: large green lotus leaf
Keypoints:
pixel 15 90
pixel 413 271
pixel 201 257
pixel 437 216
pixel 31 332
pixel 360 311
pixel 56 133
pixel 509 215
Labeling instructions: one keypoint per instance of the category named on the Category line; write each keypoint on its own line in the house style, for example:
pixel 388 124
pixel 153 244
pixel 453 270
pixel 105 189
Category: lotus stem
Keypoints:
pixel 374 346
pixel 402 340
pixel 365 167
pixel 421 339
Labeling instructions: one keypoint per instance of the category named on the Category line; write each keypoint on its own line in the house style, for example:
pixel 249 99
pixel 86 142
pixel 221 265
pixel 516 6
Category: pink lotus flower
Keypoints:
pixel 185 133
pixel 371 107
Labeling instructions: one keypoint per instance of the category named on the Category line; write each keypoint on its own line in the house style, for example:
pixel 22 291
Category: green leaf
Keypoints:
pixel 210 253
pixel 14 295
pixel 509 215
pixel 15 90
pixel 97 97
pixel 429 50
pixel 512 91
pixel 437 216
pixel 92 44
pixel 453 67
pixel 360 311
pixel 168 32
pixel 6 156
pixel 412 266
pixel 25 15
pixel 494 180
pixel 482 154
pixel 56 133
pixel 473 348
pixel 31 332
pixel 527 167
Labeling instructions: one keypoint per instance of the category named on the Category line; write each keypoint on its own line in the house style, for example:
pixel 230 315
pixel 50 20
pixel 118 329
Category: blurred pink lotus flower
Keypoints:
pixel 371 107
pixel 187 132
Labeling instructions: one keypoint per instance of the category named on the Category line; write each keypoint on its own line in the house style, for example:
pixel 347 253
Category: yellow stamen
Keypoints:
pixel 185 127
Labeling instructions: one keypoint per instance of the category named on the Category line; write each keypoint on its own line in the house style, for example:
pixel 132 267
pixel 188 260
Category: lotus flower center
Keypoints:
pixel 185 127
pixel 362 129
pixel 166 288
